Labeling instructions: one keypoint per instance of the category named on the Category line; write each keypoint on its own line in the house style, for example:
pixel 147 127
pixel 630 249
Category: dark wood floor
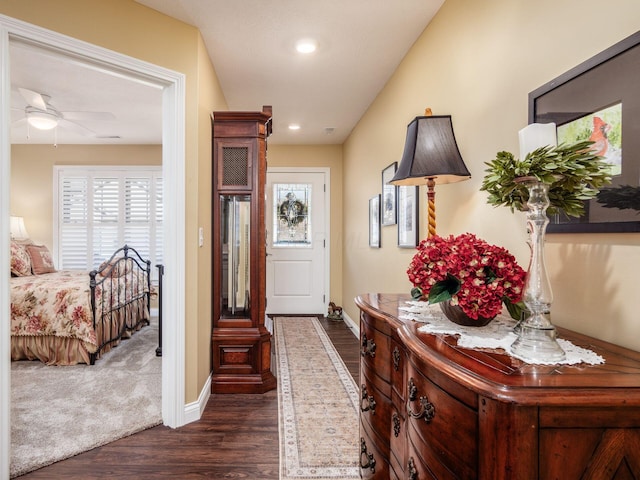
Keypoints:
pixel 236 438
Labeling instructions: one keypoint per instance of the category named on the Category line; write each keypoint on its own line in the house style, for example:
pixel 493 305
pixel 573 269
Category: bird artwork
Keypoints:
pixel 599 136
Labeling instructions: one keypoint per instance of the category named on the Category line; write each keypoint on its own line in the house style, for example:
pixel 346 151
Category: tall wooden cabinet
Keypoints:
pixel 241 345
pixel 433 410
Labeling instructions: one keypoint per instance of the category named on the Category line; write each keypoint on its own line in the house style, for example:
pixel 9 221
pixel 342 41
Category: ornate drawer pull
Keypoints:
pixel 411 468
pixel 396 424
pixel 368 346
pixel 368 457
pixel 427 409
pixel 396 359
pixel 369 400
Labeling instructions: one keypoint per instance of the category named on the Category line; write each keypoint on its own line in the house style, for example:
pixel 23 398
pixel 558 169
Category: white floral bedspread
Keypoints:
pixel 58 304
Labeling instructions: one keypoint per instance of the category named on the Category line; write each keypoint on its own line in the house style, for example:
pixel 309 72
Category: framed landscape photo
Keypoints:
pixel 599 101
pixel 407 216
pixel 389 196
pixel 374 221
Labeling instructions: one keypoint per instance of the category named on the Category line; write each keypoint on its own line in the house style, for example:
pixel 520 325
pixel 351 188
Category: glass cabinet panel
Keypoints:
pixel 236 224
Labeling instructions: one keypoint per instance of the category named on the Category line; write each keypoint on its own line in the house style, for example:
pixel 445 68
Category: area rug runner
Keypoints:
pixel 317 404
pixel 60 411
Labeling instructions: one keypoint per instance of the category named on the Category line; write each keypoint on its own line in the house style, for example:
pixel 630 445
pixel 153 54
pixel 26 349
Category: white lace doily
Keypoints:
pixel 498 334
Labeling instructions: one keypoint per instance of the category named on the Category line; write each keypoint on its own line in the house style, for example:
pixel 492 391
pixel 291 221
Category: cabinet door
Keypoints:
pixel 235 245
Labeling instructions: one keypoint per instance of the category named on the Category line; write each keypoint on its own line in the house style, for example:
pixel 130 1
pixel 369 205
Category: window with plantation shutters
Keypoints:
pixel 100 209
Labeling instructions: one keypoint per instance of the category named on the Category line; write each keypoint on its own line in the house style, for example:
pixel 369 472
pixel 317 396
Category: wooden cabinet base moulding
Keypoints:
pixel 457 413
pixel 235 357
pixel 240 343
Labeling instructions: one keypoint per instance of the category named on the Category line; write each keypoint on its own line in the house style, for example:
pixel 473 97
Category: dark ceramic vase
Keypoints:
pixel 456 315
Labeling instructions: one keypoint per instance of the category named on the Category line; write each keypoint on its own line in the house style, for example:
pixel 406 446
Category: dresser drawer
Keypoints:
pixel 442 427
pixel 373 464
pixel 416 467
pixel 375 349
pixel 375 408
pixel 398 362
pixel 398 442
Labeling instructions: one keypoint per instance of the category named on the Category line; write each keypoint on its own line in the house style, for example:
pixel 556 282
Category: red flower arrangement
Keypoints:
pixel 470 273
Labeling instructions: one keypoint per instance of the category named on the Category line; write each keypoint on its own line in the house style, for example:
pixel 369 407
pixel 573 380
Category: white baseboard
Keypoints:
pixel 193 411
pixel 353 326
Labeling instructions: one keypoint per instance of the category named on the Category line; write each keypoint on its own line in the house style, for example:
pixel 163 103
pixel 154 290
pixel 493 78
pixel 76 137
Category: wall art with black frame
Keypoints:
pixel 389 196
pixel 374 221
pixel 599 100
pixel 407 216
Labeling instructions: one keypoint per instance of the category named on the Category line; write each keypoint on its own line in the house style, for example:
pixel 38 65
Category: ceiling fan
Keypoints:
pixel 40 114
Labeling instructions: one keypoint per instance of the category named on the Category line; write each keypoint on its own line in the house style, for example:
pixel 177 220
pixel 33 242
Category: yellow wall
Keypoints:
pixel 210 99
pixel 478 61
pixel 32 177
pixel 135 30
pixel 320 156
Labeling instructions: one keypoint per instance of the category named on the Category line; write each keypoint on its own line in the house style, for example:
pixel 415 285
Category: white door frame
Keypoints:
pixel 327 217
pixel 173 159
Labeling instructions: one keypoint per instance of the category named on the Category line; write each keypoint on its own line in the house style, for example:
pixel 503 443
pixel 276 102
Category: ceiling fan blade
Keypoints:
pixel 33 98
pixel 76 128
pixel 17 113
pixel 88 116
pixel 18 123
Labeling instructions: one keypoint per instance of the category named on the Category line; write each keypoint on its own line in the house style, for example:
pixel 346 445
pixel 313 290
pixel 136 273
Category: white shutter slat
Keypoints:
pixel 72 228
pixel 102 209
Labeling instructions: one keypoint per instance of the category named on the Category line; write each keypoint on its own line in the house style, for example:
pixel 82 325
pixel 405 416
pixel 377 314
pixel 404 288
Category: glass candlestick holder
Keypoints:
pixel 536 340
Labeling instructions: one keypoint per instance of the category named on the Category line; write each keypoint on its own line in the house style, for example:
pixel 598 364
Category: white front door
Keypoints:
pixel 297 221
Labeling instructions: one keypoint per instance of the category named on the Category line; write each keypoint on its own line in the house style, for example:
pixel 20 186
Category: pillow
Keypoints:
pixel 41 261
pixel 116 268
pixel 20 260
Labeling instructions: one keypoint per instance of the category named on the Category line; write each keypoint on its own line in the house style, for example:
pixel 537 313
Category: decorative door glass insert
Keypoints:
pixel 291 214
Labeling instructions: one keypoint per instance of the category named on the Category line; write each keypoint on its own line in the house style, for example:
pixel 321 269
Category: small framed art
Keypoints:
pixel 389 196
pixel 407 216
pixel 374 221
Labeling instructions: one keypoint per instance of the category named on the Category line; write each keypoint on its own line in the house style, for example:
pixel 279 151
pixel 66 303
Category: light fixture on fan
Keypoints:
pixel 40 119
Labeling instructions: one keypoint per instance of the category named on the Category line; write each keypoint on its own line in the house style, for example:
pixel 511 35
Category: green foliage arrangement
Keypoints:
pixel 574 174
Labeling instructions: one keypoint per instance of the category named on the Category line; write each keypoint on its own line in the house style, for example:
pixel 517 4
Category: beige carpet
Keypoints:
pixel 317 404
pixel 58 412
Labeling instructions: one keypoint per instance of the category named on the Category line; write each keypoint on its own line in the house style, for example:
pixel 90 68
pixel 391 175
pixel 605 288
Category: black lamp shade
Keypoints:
pixel 430 152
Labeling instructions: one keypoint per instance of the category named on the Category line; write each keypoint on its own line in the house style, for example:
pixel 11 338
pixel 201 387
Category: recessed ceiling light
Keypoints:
pixel 294 126
pixel 306 45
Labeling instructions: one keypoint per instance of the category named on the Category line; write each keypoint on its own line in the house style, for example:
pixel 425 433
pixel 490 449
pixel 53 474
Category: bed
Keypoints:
pixel 69 317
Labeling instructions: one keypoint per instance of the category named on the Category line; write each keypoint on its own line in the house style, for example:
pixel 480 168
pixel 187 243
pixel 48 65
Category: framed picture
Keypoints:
pixel 598 100
pixel 408 216
pixel 374 221
pixel 389 196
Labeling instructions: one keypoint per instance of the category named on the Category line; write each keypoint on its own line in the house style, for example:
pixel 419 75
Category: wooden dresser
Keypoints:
pixel 432 410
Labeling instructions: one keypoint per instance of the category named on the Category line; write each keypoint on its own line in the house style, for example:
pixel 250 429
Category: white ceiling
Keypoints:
pixel 251 45
pixel 79 88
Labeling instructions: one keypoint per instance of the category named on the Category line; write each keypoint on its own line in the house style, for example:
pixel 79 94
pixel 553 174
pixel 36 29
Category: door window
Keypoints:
pixel 292 214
